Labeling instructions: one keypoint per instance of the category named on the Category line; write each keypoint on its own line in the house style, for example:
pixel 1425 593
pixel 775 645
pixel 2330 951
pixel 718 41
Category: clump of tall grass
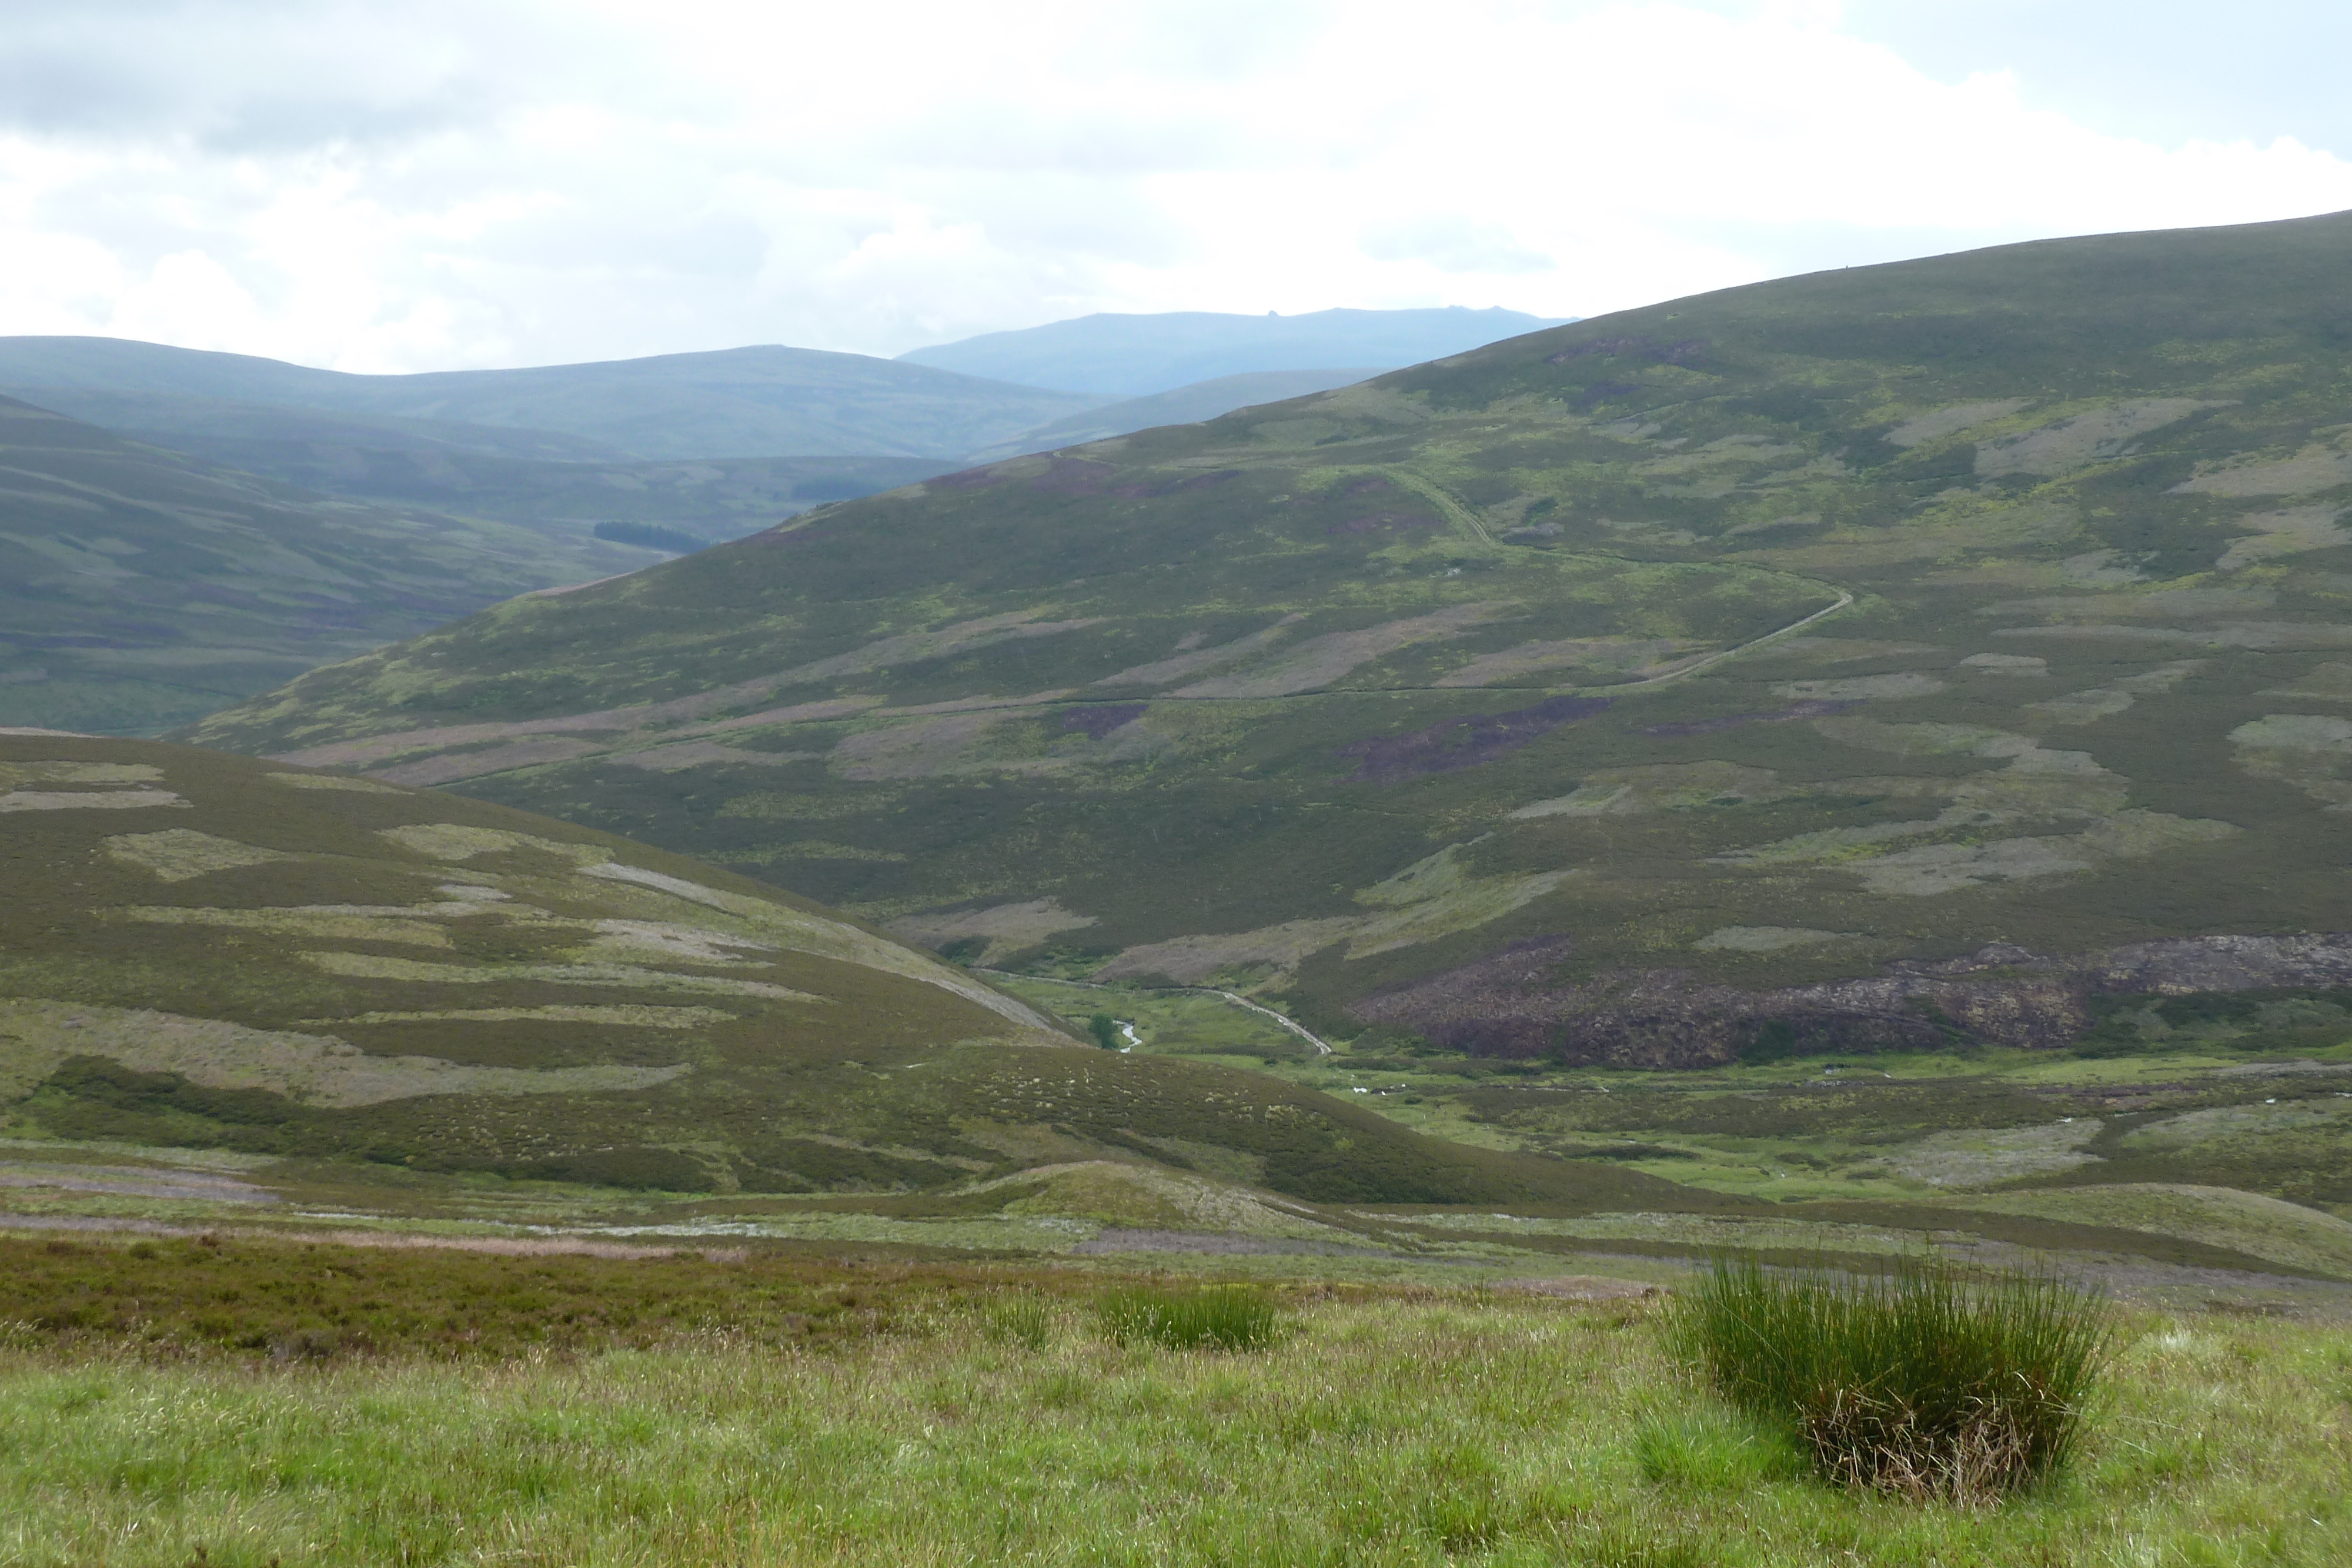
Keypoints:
pixel 1220 1317
pixel 1918 1381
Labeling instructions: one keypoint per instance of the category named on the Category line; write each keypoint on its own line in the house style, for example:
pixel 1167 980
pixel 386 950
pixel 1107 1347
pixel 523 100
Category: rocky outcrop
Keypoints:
pixel 1508 1004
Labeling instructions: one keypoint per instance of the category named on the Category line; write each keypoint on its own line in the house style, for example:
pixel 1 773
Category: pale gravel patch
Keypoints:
pixel 801 931
pixel 2329 681
pixel 2292 532
pixel 2260 635
pixel 377 966
pixel 2099 568
pixel 630 1016
pixel 2103 702
pixel 340 781
pixel 2313 752
pixel 88 799
pixel 2082 439
pixel 309 1069
pixel 2314 468
pixel 1944 868
pixel 13 775
pixel 413 927
pixel 1661 787
pixel 177 854
pixel 2015 664
pixel 456 841
pixel 1979 1157
pixel 1861 688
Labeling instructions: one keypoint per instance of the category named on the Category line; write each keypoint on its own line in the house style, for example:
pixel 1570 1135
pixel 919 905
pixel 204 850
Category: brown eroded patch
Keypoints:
pixel 1098 722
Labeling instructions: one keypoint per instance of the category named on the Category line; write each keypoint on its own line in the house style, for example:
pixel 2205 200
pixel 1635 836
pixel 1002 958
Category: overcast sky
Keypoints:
pixel 448 184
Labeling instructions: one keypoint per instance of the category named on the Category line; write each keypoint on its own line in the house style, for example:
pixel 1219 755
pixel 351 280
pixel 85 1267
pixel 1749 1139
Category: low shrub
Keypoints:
pixel 1916 1382
pixel 1220 1318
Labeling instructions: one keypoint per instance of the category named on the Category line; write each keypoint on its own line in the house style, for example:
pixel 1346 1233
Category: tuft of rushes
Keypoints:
pixel 1916 1382
pixel 1219 1318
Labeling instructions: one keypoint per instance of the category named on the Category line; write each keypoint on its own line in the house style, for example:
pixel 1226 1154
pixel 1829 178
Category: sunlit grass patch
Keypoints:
pixel 1917 1381
pixel 1218 1318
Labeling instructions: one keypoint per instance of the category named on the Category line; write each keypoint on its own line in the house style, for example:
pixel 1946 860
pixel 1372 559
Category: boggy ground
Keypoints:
pixel 960 1416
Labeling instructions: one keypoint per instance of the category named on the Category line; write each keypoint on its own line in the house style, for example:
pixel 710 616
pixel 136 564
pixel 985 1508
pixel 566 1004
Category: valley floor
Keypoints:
pixel 764 1413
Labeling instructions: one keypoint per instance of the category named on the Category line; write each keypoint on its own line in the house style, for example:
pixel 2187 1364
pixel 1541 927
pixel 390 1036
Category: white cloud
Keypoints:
pixel 382 186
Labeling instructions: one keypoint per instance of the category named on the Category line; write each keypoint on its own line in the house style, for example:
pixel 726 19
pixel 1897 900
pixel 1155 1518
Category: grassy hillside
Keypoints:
pixel 1891 657
pixel 1137 356
pixel 759 402
pixel 208 952
pixel 140 589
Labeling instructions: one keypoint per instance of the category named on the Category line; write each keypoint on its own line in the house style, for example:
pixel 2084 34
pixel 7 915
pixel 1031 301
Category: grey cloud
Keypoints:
pixel 272 75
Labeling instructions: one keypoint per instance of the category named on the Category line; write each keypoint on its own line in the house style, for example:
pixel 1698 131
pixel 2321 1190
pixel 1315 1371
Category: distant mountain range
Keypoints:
pixel 1137 356
pixel 766 402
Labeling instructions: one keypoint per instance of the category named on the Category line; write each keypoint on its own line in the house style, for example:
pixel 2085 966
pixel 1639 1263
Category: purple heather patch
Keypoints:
pixel 1072 476
pixel 1816 709
pixel 1453 743
pixel 1603 391
pixel 1098 722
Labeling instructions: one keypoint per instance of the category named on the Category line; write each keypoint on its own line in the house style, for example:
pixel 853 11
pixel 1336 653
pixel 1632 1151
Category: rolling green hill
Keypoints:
pixel 759 401
pixel 204 951
pixel 140 589
pixel 1893 657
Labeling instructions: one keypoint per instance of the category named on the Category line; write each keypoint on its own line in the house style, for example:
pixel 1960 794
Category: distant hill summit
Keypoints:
pixel 200 950
pixel 759 402
pixel 139 588
pixel 1952 651
pixel 1139 355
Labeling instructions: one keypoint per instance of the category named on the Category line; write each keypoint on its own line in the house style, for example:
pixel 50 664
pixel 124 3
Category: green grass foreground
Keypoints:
pixel 1003 1425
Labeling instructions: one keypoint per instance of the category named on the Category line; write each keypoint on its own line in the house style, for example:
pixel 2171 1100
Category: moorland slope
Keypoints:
pixel 140 589
pixel 1893 657
pixel 200 950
